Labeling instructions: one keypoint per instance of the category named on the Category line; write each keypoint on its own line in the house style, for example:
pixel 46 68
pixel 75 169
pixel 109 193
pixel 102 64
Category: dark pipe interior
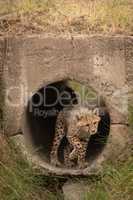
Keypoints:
pixel 41 121
pixel 42 125
pixel 98 141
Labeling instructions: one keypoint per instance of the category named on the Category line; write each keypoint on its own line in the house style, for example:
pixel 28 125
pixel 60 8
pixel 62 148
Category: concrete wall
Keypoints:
pixel 104 63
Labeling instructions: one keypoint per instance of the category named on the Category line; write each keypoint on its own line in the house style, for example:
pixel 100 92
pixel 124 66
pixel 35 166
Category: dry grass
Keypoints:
pixel 18 180
pixel 75 16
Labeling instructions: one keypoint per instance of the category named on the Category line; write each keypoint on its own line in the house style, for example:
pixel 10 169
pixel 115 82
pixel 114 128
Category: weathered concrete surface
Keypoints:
pixel 104 63
pixel 118 145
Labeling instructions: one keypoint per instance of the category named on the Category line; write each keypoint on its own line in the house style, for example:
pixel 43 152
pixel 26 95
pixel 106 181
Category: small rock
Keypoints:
pixel 75 190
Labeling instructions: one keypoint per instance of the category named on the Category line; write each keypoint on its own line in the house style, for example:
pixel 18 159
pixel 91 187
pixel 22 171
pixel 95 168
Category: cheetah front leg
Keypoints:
pixel 67 161
pixel 79 151
pixel 74 154
pixel 76 144
pixel 82 163
pixel 54 153
pixel 59 134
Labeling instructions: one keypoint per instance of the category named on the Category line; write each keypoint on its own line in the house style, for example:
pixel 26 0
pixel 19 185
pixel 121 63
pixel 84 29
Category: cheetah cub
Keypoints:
pixel 77 125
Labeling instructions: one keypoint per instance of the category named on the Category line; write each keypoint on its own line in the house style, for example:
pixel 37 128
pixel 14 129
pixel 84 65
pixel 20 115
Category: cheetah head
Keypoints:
pixel 88 122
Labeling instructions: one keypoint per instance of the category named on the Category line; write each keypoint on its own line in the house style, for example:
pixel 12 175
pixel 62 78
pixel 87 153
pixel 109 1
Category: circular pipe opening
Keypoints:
pixel 42 111
pixel 41 115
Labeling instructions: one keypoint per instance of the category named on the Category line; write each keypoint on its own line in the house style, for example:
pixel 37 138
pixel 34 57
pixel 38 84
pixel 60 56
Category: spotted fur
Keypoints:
pixel 77 124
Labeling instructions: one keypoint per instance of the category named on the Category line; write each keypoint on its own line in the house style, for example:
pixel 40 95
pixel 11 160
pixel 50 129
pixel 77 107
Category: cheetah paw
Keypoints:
pixel 55 163
pixel 83 165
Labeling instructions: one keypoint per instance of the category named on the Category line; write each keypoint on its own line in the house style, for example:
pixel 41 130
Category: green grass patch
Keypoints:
pixel 115 183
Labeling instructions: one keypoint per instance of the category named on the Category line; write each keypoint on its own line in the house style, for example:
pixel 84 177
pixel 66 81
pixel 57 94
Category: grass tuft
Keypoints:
pixel 18 179
pixel 115 183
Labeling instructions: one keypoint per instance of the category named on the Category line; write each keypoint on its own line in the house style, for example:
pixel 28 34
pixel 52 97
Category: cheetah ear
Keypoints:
pixel 96 111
